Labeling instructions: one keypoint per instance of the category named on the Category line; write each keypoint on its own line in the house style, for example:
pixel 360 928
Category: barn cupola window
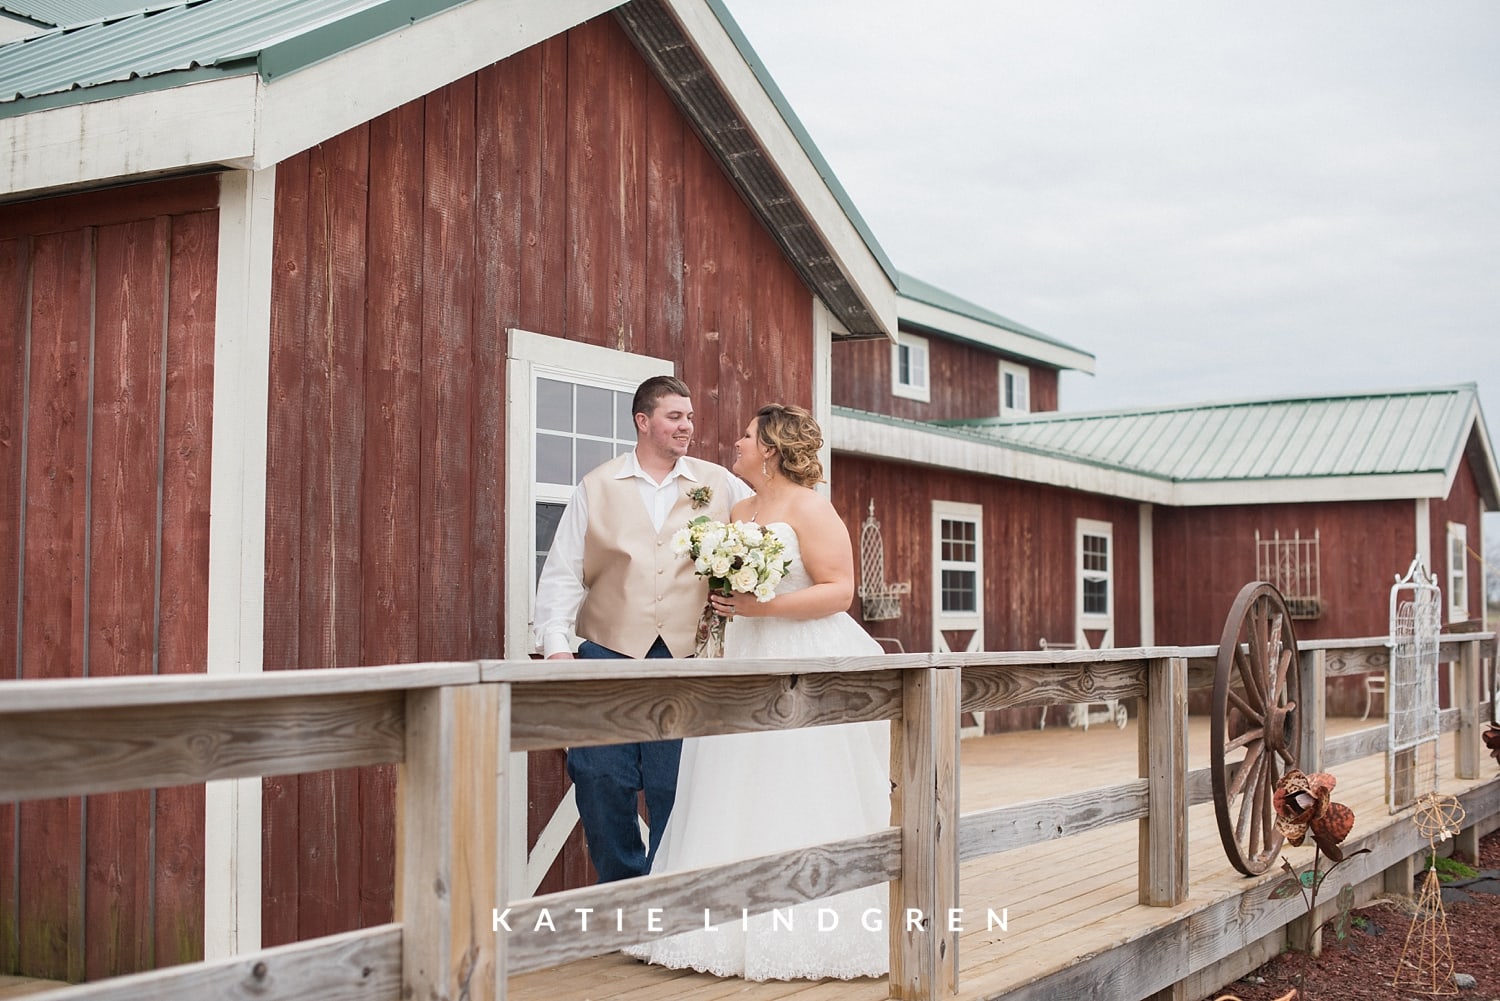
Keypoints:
pixel 909 367
pixel 1015 389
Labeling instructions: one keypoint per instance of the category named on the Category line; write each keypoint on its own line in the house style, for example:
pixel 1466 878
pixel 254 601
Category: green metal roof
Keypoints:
pixel 1401 432
pixel 162 45
pixel 58 13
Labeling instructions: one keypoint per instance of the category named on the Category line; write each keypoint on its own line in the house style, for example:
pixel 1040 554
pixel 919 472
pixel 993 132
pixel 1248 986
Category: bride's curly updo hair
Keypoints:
pixel 796 437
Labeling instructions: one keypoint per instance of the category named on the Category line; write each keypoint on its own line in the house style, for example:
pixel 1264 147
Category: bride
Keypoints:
pixel 742 795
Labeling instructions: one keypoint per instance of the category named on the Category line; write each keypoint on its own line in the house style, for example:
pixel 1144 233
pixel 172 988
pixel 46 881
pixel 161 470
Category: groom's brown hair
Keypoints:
pixel 648 393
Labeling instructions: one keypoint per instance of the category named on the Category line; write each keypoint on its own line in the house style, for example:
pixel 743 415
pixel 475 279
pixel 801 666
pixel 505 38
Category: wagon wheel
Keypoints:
pixel 1254 711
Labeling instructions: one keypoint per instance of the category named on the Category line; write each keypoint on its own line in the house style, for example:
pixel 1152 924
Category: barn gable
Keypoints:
pixel 208 84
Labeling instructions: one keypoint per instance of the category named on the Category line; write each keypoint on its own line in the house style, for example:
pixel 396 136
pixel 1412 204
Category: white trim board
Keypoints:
pixel 236 540
pixel 946 321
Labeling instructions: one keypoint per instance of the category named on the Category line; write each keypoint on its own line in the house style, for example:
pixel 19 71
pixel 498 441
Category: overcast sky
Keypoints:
pixel 1218 200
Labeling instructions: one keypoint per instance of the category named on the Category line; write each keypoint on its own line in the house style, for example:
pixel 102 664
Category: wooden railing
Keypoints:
pixel 450 727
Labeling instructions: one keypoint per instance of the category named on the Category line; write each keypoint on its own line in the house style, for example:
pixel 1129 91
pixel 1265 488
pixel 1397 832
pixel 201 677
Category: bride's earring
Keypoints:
pixel 763 470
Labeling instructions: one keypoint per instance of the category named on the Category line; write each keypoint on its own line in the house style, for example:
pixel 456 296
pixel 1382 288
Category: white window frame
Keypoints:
pixel 531 355
pixel 1458 572
pixel 911 391
pixel 941 620
pixel 1095 620
pixel 1022 376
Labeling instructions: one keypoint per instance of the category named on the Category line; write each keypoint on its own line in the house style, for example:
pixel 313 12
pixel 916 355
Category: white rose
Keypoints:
pixel 744 579
pixel 700 565
pixel 719 565
pixel 765 592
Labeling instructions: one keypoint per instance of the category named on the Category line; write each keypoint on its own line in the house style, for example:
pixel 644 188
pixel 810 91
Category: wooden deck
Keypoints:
pixel 1070 904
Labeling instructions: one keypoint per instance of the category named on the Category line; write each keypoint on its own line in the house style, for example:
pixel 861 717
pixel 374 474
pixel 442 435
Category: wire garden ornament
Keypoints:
pixel 1426 964
pixel 1413 729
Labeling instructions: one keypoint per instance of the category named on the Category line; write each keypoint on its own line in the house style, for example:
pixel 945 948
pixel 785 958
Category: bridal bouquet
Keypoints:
pixel 736 557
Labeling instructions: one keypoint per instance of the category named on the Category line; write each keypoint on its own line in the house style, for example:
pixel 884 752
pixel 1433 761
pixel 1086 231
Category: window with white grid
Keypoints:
pixel 1095 574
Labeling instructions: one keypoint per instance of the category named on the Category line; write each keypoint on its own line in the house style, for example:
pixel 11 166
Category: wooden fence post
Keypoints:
pixel 924 802
pixel 1312 708
pixel 450 842
pixel 1467 751
pixel 1163 861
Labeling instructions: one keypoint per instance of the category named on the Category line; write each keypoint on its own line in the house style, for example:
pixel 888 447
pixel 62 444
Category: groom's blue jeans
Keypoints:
pixel 606 780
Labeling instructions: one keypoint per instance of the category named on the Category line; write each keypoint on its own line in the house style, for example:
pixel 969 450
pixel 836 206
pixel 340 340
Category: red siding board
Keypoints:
pixel 89 302
pixel 14 282
pixel 284 472
pixel 182 639
pixel 50 912
pixel 129 329
pixel 447 328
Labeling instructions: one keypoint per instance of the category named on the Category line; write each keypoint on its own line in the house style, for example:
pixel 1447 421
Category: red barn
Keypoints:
pixel 313 313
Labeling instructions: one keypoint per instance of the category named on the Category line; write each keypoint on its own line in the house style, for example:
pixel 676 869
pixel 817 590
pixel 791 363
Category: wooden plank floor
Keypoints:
pixel 1063 899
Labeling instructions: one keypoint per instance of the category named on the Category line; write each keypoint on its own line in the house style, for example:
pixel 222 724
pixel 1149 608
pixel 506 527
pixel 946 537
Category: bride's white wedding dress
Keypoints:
pixel 747 794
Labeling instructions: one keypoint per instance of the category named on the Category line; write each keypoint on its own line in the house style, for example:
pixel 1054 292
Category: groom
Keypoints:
pixel 612 578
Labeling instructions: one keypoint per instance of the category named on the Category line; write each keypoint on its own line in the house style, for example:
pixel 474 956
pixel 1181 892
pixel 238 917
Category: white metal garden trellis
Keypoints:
pixel 879 600
pixel 1412 689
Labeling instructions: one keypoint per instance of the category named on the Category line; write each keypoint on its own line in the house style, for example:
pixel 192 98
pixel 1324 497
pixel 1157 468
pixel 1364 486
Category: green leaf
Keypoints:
pixel 1311 879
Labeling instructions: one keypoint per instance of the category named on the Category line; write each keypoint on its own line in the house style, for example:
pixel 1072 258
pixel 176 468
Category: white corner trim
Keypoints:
pixel 760 115
pixel 1146 559
pixel 195 125
pixel 320 101
pixel 945 321
pixel 1422 512
pixel 236 541
pixel 822 384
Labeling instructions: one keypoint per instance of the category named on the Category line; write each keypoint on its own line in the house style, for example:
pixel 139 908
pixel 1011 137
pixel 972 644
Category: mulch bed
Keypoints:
pixel 1362 966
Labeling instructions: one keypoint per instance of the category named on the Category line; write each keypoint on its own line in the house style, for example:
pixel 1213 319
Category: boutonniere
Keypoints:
pixel 700 496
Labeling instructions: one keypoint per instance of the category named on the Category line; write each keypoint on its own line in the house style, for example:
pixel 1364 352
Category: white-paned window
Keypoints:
pixel 1096 598
pixel 1458 572
pixel 957 576
pixel 1015 389
pixel 568 411
pixel 958 565
pixel 580 420
pixel 909 368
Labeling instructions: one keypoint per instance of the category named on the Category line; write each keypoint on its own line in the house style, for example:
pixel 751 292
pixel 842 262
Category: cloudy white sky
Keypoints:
pixel 1219 200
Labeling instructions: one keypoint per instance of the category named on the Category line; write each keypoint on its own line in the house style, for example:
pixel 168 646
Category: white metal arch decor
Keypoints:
pixel 1412 690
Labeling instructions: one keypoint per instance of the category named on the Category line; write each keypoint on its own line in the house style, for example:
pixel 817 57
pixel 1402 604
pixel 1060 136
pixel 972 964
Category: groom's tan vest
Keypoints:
pixel 637 587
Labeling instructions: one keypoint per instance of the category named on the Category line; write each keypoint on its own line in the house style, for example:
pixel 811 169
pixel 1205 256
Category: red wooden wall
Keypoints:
pixel 1204 555
pixel 1029 554
pixel 965 381
pixel 106 383
pixel 559 191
